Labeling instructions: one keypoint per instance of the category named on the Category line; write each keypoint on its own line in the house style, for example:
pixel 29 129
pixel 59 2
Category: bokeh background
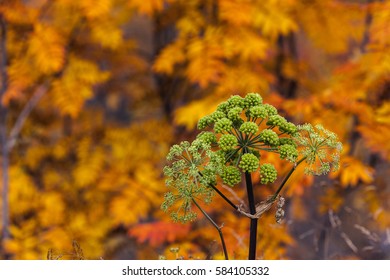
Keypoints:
pixel 94 92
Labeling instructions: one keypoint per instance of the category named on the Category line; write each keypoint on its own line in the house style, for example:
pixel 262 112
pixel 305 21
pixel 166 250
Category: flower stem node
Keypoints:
pixel 249 163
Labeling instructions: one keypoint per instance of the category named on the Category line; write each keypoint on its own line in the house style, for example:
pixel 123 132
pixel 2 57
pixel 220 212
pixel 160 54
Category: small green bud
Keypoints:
pixel 270 109
pixel 249 163
pixel 204 122
pixel 268 173
pixel 231 176
pixel 222 125
pixel 289 128
pixel 258 112
pixel 207 137
pixel 276 120
pixel 234 113
pixel 249 127
pixel 288 152
pixel 227 142
pixel 252 99
pixel 217 115
pixel 235 101
pixel 269 137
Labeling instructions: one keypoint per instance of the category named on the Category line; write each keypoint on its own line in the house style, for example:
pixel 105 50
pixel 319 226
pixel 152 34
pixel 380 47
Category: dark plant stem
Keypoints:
pixel 252 210
pixel 286 178
pixel 216 226
pixel 222 195
pixel 225 198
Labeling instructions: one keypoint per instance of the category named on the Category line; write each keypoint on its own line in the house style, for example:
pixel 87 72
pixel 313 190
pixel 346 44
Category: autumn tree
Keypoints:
pixel 93 93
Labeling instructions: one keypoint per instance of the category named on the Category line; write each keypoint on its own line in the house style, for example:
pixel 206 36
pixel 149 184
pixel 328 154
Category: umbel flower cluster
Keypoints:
pixel 234 139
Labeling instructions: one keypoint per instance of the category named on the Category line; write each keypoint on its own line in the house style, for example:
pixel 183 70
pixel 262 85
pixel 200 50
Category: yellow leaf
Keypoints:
pixel 46 48
pixel 352 171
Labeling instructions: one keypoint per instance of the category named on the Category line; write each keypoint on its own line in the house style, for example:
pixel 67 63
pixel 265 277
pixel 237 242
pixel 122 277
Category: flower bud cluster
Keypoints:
pixel 234 113
pixel 227 142
pixel 231 175
pixel 268 173
pixel 207 137
pixel 249 163
pixel 252 99
pixel 223 125
pixel 249 127
pixel 288 152
pixel 258 112
pixel 269 137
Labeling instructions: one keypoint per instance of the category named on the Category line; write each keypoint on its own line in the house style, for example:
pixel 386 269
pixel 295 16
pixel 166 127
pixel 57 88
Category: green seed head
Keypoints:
pixel 223 125
pixel 227 142
pixel 258 112
pixel 288 152
pixel 231 176
pixel 269 137
pixel 268 173
pixel 252 99
pixel 249 163
pixel 249 127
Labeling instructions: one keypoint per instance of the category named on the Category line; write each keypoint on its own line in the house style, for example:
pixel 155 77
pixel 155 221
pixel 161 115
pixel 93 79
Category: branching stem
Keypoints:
pixel 216 226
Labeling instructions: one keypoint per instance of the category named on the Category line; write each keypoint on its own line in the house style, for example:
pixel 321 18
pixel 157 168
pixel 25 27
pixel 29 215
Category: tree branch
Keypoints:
pixel 15 131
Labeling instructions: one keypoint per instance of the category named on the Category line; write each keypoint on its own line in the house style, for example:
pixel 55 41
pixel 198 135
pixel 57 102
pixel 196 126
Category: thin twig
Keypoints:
pixel 287 177
pixel 216 226
pixel 15 131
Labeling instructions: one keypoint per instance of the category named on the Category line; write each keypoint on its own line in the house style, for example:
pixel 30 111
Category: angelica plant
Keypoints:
pixel 232 143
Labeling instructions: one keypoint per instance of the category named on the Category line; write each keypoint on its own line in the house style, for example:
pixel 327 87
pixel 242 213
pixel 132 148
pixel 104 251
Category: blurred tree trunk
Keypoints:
pixel 3 132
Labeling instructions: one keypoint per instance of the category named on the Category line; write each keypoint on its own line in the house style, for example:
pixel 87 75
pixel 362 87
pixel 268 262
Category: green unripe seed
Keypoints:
pixel 268 173
pixel 231 176
pixel 222 125
pixel 252 99
pixel 269 137
pixel 227 142
pixel 288 152
pixel 249 127
pixel 258 112
pixel 249 163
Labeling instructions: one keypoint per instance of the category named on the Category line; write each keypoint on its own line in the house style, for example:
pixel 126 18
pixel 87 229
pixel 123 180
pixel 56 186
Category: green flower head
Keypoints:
pixel 252 99
pixel 258 112
pixel 269 137
pixel 249 163
pixel 249 127
pixel 320 147
pixel 192 169
pixel 231 175
pixel 223 125
pixel 227 142
pixel 268 173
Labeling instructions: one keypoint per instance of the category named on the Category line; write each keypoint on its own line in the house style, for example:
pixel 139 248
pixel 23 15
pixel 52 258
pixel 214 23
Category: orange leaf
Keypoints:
pixel 156 233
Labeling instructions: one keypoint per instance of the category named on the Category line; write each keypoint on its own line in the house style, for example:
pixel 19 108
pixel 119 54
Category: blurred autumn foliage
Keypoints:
pixel 94 92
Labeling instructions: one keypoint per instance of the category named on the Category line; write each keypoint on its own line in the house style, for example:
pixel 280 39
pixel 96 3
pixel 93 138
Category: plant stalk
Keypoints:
pixel 253 224
pixel 287 177
pixel 216 226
